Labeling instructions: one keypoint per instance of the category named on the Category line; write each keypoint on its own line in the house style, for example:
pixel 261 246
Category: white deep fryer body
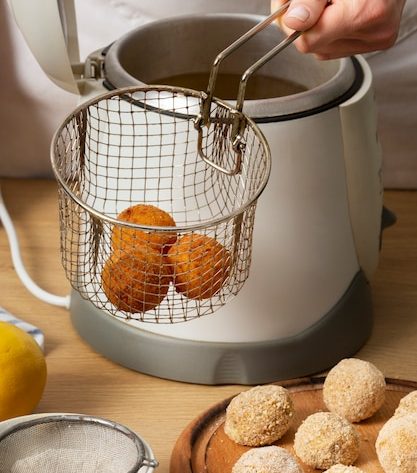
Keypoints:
pixel 317 225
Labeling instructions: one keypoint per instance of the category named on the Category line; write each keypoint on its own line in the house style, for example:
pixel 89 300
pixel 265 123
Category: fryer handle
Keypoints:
pixel 239 119
pixel 246 75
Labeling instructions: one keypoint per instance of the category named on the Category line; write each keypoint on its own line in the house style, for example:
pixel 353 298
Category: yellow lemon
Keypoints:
pixel 22 372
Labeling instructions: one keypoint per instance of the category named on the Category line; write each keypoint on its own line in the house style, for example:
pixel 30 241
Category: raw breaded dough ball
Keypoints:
pixel 259 416
pixel 407 405
pixel 396 445
pixel 267 460
pixel 127 239
pixel 325 439
pixel 354 389
pixel 344 469
pixel 136 282
pixel 200 265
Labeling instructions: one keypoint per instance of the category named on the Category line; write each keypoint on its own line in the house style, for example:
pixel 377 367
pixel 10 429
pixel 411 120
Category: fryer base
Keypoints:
pixel 338 334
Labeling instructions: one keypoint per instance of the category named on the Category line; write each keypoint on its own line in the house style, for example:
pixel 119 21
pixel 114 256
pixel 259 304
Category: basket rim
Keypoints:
pixel 181 228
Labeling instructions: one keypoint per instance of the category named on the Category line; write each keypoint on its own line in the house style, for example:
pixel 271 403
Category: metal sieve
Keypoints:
pixel 72 443
pixel 193 156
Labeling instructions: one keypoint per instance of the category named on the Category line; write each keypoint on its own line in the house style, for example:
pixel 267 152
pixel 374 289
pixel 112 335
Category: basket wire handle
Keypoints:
pixel 239 121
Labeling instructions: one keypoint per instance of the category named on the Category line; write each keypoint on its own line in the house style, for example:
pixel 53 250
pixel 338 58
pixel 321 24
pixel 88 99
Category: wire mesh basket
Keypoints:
pixel 156 211
pixel 158 188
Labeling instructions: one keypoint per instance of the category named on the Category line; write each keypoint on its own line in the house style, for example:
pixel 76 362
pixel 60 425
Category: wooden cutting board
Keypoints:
pixel 203 447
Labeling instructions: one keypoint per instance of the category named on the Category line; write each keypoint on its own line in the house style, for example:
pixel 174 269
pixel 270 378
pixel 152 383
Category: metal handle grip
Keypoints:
pixel 203 119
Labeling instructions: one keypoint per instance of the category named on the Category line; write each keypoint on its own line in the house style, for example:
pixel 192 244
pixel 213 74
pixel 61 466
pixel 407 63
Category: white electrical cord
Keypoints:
pixel 27 281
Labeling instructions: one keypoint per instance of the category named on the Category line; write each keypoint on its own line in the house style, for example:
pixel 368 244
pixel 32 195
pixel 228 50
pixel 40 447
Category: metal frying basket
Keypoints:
pixel 157 194
pixel 140 146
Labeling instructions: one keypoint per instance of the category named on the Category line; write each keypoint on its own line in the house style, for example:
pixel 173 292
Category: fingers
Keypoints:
pixel 344 27
pixel 330 28
pixel 342 31
pixel 303 14
pixel 275 5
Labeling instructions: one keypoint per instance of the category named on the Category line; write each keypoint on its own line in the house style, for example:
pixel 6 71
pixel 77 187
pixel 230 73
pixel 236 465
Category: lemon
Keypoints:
pixel 22 372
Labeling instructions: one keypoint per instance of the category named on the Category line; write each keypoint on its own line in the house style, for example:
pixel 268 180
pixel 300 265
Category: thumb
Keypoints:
pixel 303 14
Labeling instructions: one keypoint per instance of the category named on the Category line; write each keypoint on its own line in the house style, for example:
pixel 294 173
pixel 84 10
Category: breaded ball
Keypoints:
pixel 127 239
pixel 354 389
pixel 344 469
pixel 267 460
pixel 136 282
pixel 407 405
pixel 259 416
pixel 396 444
pixel 200 265
pixel 325 439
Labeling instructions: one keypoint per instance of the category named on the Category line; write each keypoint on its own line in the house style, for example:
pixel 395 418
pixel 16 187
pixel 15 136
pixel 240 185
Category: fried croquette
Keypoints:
pixel 200 265
pixel 267 460
pixel 127 239
pixel 339 468
pixel 396 444
pixel 136 282
pixel 407 405
pixel 259 416
pixel 354 389
pixel 325 439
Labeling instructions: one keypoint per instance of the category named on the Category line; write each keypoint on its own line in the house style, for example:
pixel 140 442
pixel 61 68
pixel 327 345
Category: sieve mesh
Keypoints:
pixel 71 444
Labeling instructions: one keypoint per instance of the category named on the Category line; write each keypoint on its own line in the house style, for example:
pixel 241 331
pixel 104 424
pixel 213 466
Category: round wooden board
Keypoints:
pixel 203 447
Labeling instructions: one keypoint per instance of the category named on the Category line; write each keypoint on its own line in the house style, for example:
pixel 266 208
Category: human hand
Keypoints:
pixel 343 27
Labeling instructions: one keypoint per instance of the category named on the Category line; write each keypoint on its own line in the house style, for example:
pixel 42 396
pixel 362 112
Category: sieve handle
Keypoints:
pixel 239 121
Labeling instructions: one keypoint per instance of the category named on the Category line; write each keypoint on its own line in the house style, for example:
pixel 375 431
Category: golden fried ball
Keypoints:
pixel 396 444
pixel 325 439
pixel 267 460
pixel 407 405
pixel 136 282
pixel 127 239
pixel 200 265
pixel 259 416
pixel 344 469
pixel 354 389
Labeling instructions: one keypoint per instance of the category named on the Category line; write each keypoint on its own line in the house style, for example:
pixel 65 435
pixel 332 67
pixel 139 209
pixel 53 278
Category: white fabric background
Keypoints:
pixel 395 83
pixel 32 107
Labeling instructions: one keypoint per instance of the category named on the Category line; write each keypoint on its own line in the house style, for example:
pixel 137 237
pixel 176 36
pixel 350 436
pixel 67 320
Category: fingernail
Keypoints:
pixel 298 12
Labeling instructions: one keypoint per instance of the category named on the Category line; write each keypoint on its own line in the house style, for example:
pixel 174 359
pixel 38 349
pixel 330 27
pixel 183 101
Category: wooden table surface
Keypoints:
pixel 80 380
